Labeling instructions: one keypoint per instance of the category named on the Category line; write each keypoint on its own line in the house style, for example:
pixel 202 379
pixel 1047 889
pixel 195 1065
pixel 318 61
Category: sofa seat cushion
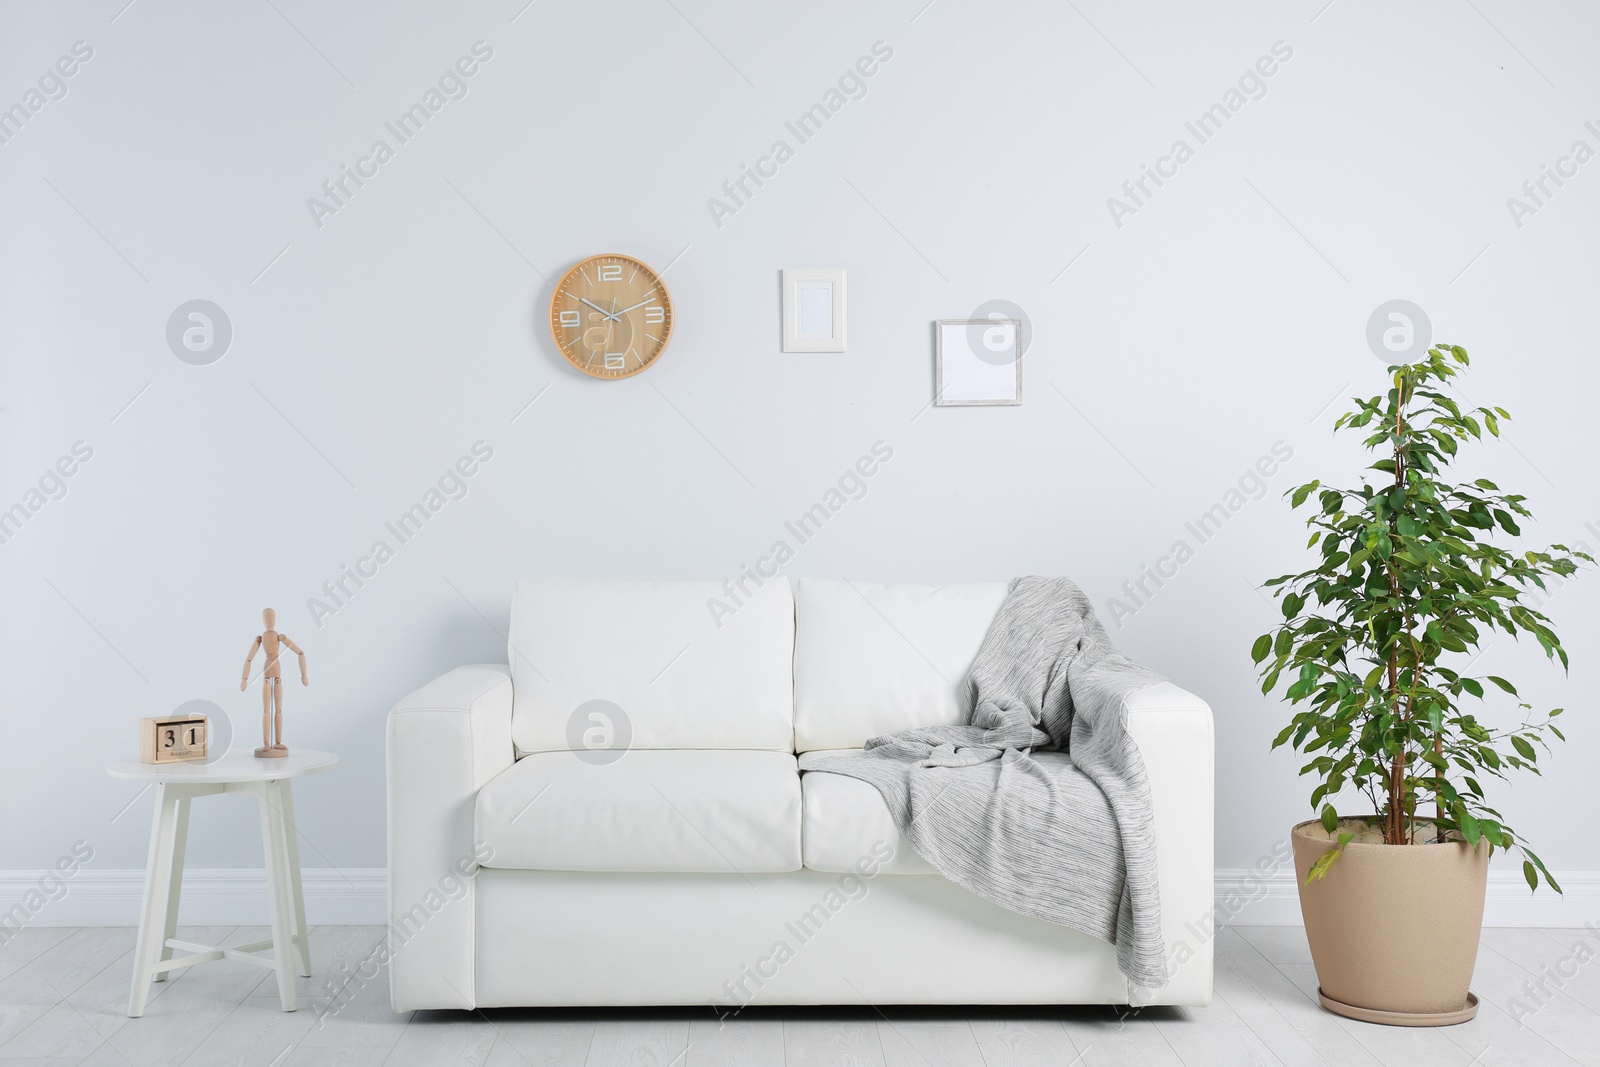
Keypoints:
pixel 846 823
pixel 724 811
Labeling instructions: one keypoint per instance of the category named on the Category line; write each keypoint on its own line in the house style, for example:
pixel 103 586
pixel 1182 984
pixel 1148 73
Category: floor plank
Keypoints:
pixel 1568 937
pixel 1574 968
pixel 1215 1037
pixel 180 1018
pixel 538 1038
pixel 927 1043
pixel 1113 1037
pixel 339 955
pixel 351 1010
pixel 103 1000
pixel 1394 1046
pixel 433 1038
pixel 66 965
pixel 27 944
pixel 78 1023
pixel 1297 1031
pixel 1520 944
pixel 14 1018
pixel 348 1056
pixel 1495 1040
pixel 851 1041
pixel 59 1032
pixel 639 1043
pixel 1279 944
pixel 736 1041
pixel 257 1033
pixel 1564 1022
pixel 1023 1042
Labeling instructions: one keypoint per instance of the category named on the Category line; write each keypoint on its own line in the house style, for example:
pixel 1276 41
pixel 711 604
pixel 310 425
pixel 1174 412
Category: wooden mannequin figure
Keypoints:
pixel 272 685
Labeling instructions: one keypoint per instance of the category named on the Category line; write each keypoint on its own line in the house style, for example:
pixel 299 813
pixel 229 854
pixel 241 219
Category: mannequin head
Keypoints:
pixel 269 617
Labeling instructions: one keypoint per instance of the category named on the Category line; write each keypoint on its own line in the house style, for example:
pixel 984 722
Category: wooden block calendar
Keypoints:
pixel 173 738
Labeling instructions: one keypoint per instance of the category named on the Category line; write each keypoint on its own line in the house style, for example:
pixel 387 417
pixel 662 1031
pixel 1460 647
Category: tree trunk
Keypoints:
pixel 1395 832
pixel 1438 785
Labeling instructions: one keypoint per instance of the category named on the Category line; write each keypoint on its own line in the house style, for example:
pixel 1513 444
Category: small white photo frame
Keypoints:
pixel 814 310
pixel 976 363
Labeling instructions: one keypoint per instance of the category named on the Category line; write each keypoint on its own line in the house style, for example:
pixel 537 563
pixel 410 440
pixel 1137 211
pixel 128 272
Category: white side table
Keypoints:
pixel 176 784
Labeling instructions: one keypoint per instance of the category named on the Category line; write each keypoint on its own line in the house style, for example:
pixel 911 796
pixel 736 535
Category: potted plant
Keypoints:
pixel 1409 582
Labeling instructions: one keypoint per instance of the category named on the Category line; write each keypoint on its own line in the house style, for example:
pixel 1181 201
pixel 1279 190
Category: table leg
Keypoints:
pixel 273 848
pixel 158 878
pixel 292 839
pixel 175 886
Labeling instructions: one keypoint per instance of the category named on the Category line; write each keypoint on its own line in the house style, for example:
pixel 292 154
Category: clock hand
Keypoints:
pixel 640 304
pixel 598 308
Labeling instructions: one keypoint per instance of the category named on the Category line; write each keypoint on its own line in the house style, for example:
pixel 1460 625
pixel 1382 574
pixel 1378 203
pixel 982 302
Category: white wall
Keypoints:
pixel 371 351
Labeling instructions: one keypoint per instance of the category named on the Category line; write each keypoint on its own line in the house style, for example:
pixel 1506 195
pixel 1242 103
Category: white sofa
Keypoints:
pixel 680 853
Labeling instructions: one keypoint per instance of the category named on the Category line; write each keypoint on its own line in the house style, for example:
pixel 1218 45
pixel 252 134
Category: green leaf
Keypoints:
pixel 1520 743
pixel 1531 875
pixel 1472 686
pixel 1539 863
pixel 1330 818
pixel 1324 861
pixel 1503 684
pixel 1262 647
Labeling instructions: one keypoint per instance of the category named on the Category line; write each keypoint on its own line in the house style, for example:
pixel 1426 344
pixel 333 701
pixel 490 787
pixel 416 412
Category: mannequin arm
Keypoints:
pixel 244 677
pixel 296 650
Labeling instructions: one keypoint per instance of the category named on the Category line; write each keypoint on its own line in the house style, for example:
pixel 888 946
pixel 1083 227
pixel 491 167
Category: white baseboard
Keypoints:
pixel 237 897
pixel 1245 898
pixel 223 896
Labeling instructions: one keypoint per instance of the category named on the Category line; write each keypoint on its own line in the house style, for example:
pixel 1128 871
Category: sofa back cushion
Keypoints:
pixel 876 659
pixel 672 674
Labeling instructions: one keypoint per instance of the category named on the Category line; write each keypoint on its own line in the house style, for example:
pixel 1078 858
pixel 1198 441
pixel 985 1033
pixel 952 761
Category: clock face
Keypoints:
pixel 611 316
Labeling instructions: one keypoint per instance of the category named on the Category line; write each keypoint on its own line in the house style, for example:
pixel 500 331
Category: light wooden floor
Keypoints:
pixel 63 993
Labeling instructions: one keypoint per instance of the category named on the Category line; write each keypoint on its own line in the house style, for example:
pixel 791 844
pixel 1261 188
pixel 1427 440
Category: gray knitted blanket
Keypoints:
pixel 1040 803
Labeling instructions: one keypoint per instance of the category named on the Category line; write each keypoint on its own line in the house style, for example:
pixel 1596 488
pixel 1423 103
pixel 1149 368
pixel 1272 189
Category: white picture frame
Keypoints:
pixel 977 363
pixel 814 310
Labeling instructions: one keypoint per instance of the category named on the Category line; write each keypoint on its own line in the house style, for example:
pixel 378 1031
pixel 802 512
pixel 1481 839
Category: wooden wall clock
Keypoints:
pixel 611 316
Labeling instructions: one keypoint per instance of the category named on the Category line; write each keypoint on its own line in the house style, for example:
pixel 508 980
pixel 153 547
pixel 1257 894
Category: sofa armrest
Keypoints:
pixel 1173 730
pixel 444 742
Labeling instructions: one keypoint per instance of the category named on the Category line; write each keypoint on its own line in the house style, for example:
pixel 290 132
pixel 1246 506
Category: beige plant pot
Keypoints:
pixel 1394 928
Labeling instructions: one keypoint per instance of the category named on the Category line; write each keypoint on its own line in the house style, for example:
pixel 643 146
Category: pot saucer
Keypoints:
pixel 1401 1018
